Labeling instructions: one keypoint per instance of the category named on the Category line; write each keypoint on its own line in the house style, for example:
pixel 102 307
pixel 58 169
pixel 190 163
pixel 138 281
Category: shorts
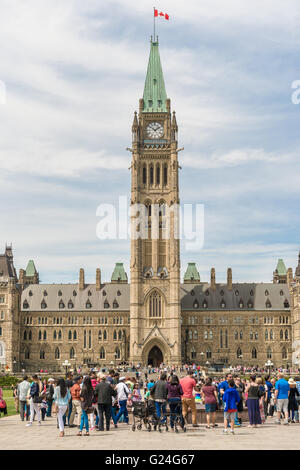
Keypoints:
pixel 282 405
pixel 210 407
pixel 229 415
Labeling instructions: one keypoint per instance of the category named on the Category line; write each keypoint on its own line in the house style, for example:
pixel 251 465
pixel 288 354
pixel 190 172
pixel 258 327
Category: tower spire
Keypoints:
pixel 155 95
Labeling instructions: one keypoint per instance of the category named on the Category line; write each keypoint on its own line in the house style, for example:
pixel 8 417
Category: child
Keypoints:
pixel 230 398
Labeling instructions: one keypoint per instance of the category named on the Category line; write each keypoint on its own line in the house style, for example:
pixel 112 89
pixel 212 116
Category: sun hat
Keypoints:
pixel 122 378
pixel 292 381
pixel 51 380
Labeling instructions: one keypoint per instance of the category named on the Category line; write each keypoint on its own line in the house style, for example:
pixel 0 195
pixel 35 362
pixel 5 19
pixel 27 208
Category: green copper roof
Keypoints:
pixel 119 273
pixel 154 92
pixel 281 269
pixel 30 270
pixel 192 273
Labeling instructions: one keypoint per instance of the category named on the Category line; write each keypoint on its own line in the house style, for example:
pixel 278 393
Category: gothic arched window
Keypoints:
pixel 72 353
pixel 284 353
pixel 254 353
pixel 158 174
pixel 102 353
pixel 57 353
pixel 155 305
pixel 165 175
pixel 151 175
pixel 144 174
pixel 42 354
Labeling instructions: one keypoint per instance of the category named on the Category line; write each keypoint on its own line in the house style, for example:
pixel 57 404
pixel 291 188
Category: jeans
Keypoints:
pixel 49 408
pixel 23 405
pixel 113 414
pixel 84 421
pixel 175 411
pixel 61 414
pixel 70 411
pixel 161 407
pixel 123 411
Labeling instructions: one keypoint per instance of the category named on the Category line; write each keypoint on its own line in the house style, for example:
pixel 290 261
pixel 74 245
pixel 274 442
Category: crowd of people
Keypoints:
pixel 95 400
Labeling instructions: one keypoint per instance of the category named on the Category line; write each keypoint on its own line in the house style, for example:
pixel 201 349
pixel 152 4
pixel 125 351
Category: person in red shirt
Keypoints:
pixel 188 400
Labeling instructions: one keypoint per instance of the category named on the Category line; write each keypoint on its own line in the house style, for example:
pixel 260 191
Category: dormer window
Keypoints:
pixel 241 304
pixel 268 304
pixel 88 304
pixel 118 293
pixel 103 292
pixel 223 304
pixel 159 102
pixel 43 305
pixel 150 103
pixel 281 292
pixel 205 304
pixel 192 292
pixel 70 304
pixel 286 304
pixel 250 304
pixel 115 304
pixel 206 292
pixel 74 293
pixel 59 293
pixel 266 293
pixel 30 293
pixel 237 293
pixel 61 304
pixel 251 292
pixel 106 304
pixel 89 293
pixel 45 293
pixel 196 304
pixel 222 293
pixel 25 304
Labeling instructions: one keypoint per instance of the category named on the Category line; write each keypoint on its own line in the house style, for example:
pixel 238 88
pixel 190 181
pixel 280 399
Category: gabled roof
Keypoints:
pixel 7 269
pixel 155 95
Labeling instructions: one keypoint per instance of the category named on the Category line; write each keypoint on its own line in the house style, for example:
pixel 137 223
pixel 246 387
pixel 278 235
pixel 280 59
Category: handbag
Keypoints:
pixel 2 404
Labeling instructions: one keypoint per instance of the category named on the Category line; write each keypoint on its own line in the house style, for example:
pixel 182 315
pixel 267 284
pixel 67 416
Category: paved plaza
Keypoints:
pixel 15 435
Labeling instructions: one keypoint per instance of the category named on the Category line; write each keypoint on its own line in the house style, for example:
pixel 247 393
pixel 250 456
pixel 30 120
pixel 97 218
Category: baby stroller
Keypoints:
pixel 139 413
pixel 177 418
pixel 152 419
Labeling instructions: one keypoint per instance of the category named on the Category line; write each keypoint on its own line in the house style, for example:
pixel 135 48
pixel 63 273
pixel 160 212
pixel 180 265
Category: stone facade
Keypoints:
pixel 155 318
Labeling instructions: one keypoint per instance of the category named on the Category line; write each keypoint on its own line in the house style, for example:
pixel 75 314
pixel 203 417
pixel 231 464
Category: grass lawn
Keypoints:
pixel 7 396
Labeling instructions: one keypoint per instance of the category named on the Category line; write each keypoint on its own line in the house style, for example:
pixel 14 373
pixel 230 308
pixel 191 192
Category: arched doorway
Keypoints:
pixel 155 357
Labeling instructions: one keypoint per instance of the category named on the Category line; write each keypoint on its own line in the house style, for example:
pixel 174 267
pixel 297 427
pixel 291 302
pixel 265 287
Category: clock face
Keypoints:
pixel 155 130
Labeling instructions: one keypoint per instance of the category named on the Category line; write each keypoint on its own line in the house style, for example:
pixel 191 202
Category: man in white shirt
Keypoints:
pixel 23 391
pixel 123 392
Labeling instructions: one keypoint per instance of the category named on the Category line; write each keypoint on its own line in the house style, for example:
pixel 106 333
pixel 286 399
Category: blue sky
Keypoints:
pixel 74 72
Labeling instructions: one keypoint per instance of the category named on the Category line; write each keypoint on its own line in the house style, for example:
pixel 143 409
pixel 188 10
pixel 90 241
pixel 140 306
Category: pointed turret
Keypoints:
pixel 297 273
pixel 280 273
pixel 155 95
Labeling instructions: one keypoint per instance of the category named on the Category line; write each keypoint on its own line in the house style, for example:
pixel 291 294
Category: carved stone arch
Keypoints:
pixel 161 345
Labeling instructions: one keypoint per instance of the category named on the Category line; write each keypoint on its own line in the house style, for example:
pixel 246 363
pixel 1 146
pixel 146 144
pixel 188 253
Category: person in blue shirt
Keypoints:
pixel 269 387
pixel 281 399
pixel 231 398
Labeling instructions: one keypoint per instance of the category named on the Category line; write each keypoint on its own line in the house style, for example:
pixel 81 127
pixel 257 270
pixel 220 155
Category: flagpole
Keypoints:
pixel 154 24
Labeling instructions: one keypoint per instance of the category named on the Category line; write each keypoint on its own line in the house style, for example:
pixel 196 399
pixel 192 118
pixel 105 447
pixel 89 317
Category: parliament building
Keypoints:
pixel 155 318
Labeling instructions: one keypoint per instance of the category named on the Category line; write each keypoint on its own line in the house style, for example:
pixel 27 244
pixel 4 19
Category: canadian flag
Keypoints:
pixel 165 15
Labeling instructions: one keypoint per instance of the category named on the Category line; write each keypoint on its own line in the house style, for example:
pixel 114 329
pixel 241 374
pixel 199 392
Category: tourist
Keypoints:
pixel 263 394
pixel 253 396
pixel 268 387
pixel 15 396
pixel 175 393
pixel 104 393
pixel 282 390
pixel 86 398
pixel 34 396
pixel 159 393
pixel 23 391
pixel 123 394
pixel 69 385
pixel 76 402
pixel 188 384
pixel 240 387
pixel 61 398
pixel 3 405
pixel 293 405
pixel 110 377
pixel 210 398
pixel 49 396
pixel 231 398
pixel 136 393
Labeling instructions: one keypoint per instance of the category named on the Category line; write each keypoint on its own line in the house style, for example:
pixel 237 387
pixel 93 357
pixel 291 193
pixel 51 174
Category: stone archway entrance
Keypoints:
pixel 155 357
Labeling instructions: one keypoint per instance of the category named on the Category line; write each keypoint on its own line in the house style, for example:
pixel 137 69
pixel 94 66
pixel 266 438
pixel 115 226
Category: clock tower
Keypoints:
pixel 155 309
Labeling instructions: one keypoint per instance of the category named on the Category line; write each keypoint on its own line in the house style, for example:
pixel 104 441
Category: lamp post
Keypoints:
pixel 66 364
pixel 269 364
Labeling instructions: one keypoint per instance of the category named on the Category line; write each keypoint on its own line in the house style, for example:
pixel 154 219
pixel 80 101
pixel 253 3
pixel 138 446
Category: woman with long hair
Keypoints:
pixel 61 398
pixel 86 398
pixel 175 393
pixel 253 397
pixel 210 398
